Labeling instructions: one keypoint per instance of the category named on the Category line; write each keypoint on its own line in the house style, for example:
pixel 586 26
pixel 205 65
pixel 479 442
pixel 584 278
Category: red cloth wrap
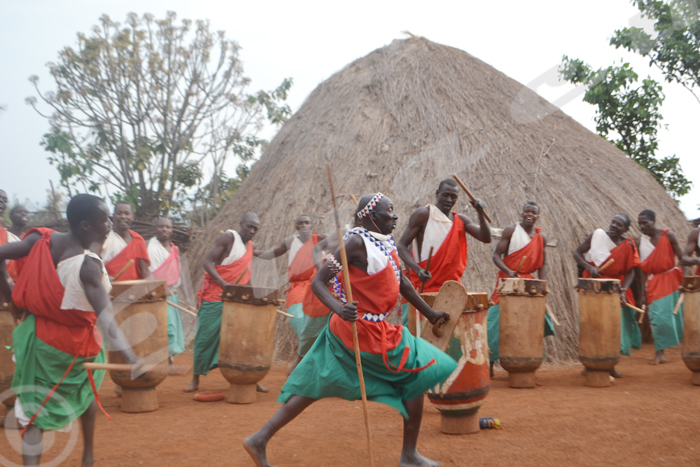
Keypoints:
pixel 136 249
pixel 170 269
pixel 534 261
pixel 40 291
pixel 211 290
pixel 448 262
pixel 301 272
pixel 626 257
pixel 661 263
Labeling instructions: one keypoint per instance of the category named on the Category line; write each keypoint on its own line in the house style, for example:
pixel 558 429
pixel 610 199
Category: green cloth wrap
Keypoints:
pixel 176 336
pixel 493 332
pixel 305 327
pixel 206 340
pixel 329 370
pixel 39 367
pixel 630 335
pixel 666 327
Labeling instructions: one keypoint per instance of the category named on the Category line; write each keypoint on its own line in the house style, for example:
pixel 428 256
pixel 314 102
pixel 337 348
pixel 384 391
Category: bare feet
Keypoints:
pixel 194 385
pixel 87 461
pixel 260 388
pixel 294 365
pixel 658 358
pixel 256 449
pixel 616 374
pixel 416 460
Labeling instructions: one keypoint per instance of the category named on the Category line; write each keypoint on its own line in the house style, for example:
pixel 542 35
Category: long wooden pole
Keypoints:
pixel 471 197
pixel 123 270
pixel 348 294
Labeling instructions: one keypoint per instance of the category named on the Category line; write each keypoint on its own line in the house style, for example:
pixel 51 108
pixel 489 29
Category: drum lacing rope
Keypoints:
pixel 90 334
pixel 406 351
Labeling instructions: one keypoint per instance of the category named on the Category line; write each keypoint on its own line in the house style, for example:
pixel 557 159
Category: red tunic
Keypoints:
pixel 136 249
pixel 301 272
pixel 211 290
pixel 661 264
pixel 448 262
pixel 534 261
pixel 39 290
pixel 626 257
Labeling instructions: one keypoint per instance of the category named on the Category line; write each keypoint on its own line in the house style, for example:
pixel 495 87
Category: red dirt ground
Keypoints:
pixel 651 417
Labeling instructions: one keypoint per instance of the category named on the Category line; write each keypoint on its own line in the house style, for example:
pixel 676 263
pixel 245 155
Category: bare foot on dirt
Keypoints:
pixel 616 374
pixel 294 365
pixel 256 449
pixel 194 385
pixel 260 388
pixel 416 460
pixel 87 461
pixel 658 358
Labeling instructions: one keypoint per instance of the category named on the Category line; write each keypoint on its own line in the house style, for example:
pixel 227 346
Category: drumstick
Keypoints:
pixel 678 304
pixel 520 266
pixel 181 308
pixel 348 293
pixel 126 266
pixel 284 313
pixel 114 366
pixel 427 267
pixel 471 197
pixel 357 203
pixel 610 261
pixel 551 315
pixel 241 276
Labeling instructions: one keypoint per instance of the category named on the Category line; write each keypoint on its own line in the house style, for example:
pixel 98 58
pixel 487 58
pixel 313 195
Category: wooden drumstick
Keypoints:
pixel 284 313
pixel 610 261
pixel 123 270
pixel 551 315
pixel 357 203
pixel 471 197
pixel 113 366
pixel 182 308
pixel 520 266
pixel 241 276
pixel 348 294
pixel 678 304
pixel 427 267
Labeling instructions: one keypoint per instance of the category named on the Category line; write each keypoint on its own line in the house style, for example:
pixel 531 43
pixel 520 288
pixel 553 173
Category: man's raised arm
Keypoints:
pixel 482 232
pixel 274 252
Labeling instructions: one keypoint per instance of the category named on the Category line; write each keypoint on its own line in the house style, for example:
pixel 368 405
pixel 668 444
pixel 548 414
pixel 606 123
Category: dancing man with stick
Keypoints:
pixel 397 367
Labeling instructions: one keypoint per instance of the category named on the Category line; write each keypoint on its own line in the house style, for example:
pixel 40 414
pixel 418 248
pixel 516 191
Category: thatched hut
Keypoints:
pixel 412 113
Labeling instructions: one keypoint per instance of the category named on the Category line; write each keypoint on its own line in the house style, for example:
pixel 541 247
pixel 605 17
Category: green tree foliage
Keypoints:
pixel 674 47
pixel 151 110
pixel 629 116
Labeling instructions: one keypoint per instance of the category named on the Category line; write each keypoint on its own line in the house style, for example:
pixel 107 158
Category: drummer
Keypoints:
pixel 65 288
pixel 598 249
pixel 228 262
pixel 518 241
pixel 692 246
pixel 301 272
pixel 398 368
pixel 438 226
pixel 123 244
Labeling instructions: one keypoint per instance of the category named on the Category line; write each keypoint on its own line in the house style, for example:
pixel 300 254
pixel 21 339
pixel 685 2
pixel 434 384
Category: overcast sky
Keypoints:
pixel 309 41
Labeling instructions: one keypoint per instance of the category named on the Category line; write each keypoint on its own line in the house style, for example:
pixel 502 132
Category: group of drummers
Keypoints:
pixel 58 333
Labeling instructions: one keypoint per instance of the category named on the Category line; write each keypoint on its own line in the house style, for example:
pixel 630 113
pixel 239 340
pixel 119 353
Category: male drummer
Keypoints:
pixel 438 226
pixel 301 272
pixel 658 249
pixel 398 368
pixel 229 261
pixel 65 289
pixel 520 243
pixel 692 246
pixel 596 251
pixel 123 244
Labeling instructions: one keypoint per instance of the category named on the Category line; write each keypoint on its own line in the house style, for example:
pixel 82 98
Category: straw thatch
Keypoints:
pixel 415 112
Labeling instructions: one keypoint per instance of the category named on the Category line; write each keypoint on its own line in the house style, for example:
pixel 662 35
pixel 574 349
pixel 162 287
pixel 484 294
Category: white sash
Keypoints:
pixel 294 248
pixel 601 246
pixel 519 240
pixel 69 273
pixel 645 247
pixel 113 245
pixel 237 250
pixel 436 230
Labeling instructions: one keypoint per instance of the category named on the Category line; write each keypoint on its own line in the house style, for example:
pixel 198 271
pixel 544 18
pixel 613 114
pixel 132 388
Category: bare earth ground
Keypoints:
pixel 651 417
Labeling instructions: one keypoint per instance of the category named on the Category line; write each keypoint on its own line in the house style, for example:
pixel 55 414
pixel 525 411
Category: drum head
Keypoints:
pixel 452 299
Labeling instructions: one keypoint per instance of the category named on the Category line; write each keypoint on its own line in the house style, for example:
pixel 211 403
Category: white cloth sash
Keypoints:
pixel 601 246
pixel 12 237
pixel 646 248
pixel 294 248
pixel 158 255
pixel 112 246
pixel 436 230
pixel 519 240
pixel 69 273
pixel 237 250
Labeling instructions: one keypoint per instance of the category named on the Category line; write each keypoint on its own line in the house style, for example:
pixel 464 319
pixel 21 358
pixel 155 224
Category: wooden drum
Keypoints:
pixel 600 321
pixel 141 310
pixel 521 327
pixel 459 397
pixel 7 366
pixel 247 339
pixel 691 326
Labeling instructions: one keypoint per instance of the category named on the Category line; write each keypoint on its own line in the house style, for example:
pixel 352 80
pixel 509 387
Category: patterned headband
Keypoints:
pixel 364 212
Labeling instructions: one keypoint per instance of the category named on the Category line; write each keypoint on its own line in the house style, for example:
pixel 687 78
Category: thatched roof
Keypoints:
pixel 412 113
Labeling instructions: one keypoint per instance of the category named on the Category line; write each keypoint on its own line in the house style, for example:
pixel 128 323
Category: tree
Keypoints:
pixel 675 46
pixel 629 116
pixel 140 109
